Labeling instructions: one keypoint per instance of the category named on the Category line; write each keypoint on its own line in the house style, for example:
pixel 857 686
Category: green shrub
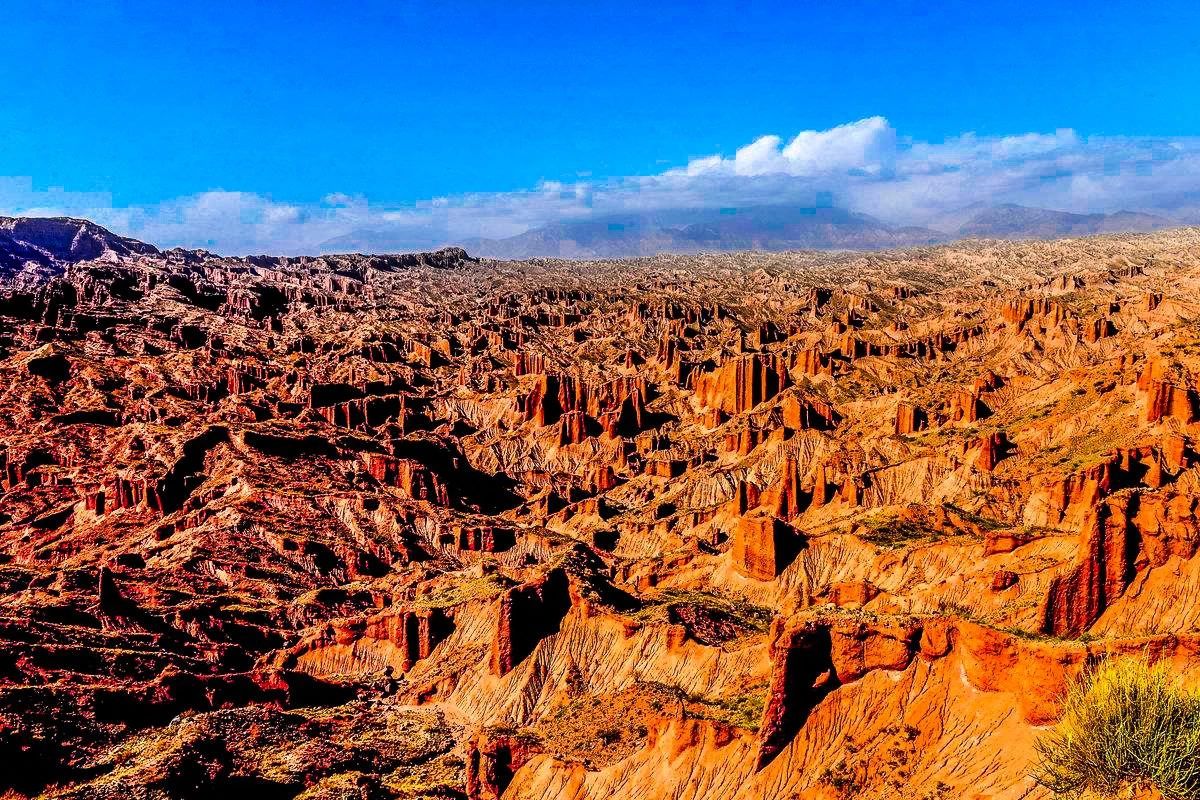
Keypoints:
pixel 1126 726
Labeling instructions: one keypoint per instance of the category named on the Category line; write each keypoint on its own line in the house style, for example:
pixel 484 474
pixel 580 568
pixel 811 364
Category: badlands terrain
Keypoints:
pixel 757 525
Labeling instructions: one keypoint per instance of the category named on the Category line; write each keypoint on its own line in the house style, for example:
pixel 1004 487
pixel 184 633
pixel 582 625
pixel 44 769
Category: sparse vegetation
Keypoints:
pixel 984 523
pixel 1126 726
pixel 738 611
pixel 842 779
pixel 953 608
pixel 887 759
pixel 892 533
pixel 452 594
pixel 743 710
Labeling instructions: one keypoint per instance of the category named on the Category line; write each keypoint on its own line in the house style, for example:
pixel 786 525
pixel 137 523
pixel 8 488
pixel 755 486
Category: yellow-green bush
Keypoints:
pixel 1126 725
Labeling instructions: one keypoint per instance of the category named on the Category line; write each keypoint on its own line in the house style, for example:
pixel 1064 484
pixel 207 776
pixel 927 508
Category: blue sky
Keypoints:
pixel 307 124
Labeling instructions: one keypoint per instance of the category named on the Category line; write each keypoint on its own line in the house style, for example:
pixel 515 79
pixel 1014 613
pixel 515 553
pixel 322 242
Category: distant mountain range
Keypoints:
pixel 42 242
pixel 695 230
pixel 786 227
pixel 1019 222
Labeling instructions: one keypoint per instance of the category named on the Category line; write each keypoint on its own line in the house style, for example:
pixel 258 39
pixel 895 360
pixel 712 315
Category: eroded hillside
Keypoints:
pixel 750 526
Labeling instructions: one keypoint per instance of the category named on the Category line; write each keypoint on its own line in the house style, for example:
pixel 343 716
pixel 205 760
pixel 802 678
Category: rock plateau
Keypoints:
pixel 757 525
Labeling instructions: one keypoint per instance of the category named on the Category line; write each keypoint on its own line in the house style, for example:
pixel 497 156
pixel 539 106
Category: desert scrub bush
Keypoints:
pixel 743 710
pixel 1125 726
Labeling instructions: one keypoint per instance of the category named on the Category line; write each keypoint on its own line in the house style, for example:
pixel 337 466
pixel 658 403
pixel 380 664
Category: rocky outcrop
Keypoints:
pixel 1165 400
pixel 910 419
pixel 992 449
pixel 492 759
pixel 1076 599
pixel 741 384
pixel 812 658
pixel 764 545
pixel 412 478
pixel 801 674
pixel 524 616
pixel 61 241
pixel 368 646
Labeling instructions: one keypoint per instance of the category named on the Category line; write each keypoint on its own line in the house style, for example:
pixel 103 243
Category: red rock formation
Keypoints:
pixel 572 428
pixel 966 407
pixel 1047 313
pixel 820 490
pixel 1165 400
pixel 745 497
pixel 524 616
pixel 1107 551
pixel 853 593
pixel 1177 455
pixel 785 498
pixel 742 383
pixel 910 419
pixel 412 478
pixel 483 538
pixel 369 645
pixel 992 448
pixel 763 546
pixel 541 405
pixel 491 762
pixel 811 361
pixel 802 673
pixel 1004 579
pixel 801 414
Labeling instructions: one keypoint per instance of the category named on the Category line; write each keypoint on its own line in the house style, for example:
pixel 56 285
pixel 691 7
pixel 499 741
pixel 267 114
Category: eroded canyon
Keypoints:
pixel 787 525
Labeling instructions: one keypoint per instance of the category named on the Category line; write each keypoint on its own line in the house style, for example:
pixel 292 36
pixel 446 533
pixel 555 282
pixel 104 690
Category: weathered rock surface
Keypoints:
pixel 760 525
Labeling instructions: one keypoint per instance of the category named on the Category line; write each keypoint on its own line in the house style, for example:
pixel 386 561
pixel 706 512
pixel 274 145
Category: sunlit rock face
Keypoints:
pixel 739 525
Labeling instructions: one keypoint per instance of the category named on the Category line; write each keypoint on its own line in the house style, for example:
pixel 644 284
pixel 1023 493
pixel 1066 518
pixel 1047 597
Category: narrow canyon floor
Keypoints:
pixel 799 525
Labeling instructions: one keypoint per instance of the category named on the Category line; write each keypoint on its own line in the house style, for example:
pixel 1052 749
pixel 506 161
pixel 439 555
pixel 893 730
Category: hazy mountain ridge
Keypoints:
pixel 721 230
pixel 1011 221
pixel 50 242
pixel 777 228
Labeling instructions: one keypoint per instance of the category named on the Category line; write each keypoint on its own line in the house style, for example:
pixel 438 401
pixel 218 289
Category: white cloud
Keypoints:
pixel 863 165
pixel 867 145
